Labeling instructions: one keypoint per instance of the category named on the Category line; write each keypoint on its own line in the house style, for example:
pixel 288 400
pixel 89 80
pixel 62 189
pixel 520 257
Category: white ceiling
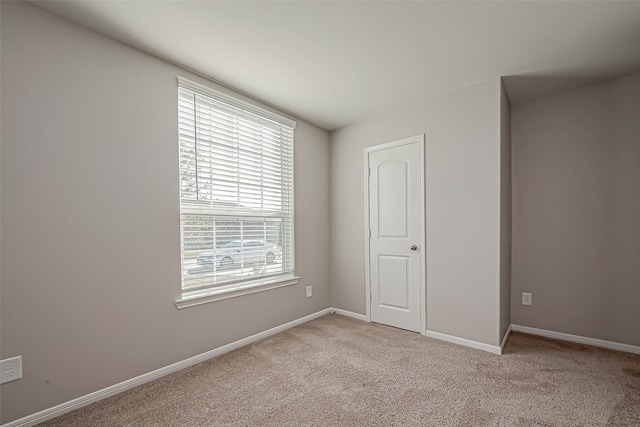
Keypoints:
pixel 336 63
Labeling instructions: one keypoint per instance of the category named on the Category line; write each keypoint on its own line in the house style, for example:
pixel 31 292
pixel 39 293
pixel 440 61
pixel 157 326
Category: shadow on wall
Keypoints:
pixel 526 88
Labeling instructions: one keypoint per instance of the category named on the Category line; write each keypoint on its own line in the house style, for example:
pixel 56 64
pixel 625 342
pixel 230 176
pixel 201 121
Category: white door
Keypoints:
pixel 396 244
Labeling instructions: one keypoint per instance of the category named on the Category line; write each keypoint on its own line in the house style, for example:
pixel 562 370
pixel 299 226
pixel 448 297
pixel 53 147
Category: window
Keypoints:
pixel 236 195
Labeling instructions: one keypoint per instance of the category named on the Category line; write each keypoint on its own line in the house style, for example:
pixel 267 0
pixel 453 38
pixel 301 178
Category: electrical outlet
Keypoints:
pixel 309 291
pixel 526 298
pixel 10 369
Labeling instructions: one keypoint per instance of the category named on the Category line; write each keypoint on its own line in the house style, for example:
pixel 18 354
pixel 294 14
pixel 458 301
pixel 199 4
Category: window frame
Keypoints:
pixel 247 286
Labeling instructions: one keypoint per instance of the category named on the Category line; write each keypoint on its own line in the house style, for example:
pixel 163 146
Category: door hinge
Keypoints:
pixel 369 171
pixel 369 233
pixel 370 296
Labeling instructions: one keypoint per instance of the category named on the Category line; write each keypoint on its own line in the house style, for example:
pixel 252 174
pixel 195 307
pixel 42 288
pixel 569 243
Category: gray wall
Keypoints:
pixel 90 242
pixel 505 212
pixel 463 204
pixel 576 212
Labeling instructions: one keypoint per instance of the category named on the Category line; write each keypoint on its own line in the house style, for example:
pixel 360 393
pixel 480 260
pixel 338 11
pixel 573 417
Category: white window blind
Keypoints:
pixel 236 192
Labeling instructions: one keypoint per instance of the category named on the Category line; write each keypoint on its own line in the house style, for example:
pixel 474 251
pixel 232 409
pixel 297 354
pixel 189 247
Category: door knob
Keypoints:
pixel 414 247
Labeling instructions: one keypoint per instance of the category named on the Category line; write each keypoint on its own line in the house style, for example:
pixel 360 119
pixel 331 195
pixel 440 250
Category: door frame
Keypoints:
pixel 417 139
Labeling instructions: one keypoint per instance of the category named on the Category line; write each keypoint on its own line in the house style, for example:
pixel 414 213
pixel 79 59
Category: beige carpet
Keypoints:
pixel 336 371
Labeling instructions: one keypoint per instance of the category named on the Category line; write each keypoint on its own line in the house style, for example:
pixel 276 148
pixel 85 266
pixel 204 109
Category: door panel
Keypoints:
pixel 396 203
pixel 392 194
pixel 394 292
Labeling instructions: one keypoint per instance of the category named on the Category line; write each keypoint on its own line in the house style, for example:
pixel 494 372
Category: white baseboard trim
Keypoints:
pixel 504 340
pixel 85 400
pixel 350 314
pixel 463 341
pixel 577 339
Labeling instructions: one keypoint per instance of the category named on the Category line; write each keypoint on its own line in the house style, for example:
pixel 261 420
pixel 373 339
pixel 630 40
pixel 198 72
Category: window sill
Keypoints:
pixel 246 288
